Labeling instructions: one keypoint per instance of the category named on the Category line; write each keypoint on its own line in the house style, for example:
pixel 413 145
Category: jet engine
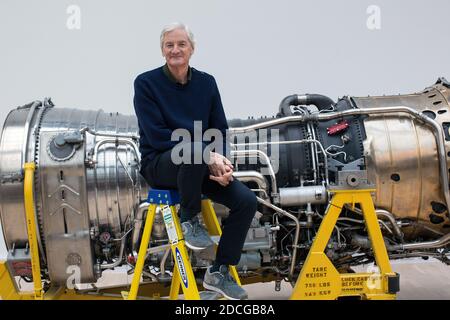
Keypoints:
pixel 90 199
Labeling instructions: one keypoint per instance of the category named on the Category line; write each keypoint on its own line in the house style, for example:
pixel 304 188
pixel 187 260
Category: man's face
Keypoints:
pixel 176 48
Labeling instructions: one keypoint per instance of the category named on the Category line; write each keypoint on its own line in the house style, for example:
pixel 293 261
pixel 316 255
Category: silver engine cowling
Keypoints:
pixel 87 183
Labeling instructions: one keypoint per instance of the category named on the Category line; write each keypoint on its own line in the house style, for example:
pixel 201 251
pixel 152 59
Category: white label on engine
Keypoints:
pixel 170 225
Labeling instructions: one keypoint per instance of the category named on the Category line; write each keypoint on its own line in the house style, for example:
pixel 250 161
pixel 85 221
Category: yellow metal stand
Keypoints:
pixel 319 279
pixel 31 228
pixel 183 274
pixel 8 289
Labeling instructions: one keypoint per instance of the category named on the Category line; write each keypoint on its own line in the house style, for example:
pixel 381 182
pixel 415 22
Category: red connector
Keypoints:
pixel 338 127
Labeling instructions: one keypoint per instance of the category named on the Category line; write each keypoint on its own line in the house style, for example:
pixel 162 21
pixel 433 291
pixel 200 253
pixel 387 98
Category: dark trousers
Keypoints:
pixel 191 181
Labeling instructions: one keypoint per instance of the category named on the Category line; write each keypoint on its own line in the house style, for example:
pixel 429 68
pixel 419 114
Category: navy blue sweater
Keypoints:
pixel 162 106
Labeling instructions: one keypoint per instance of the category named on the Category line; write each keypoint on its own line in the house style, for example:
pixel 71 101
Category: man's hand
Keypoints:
pixel 223 180
pixel 221 169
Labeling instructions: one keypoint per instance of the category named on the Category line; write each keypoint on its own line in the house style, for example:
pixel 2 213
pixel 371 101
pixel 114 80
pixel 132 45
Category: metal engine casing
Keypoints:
pixel 76 199
pixel 402 160
pixel 88 187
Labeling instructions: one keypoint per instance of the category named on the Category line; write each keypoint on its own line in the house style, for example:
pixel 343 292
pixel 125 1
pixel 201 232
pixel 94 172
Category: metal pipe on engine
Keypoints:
pixel 115 141
pixel 254 176
pixel 162 265
pixel 25 155
pixel 444 240
pixel 297 231
pixel 295 196
pixel 111 135
pixel 314 160
pixel 320 101
pixel 439 135
pixel 119 259
pixel 260 154
pixel 364 242
pixel 317 142
pixel 387 215
pixel 138 220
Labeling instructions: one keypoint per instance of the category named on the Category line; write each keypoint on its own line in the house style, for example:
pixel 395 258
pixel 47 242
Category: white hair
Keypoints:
pixel 175 26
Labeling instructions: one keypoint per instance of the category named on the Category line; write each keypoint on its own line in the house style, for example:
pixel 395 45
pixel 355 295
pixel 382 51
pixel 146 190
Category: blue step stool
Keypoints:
pixel 169 197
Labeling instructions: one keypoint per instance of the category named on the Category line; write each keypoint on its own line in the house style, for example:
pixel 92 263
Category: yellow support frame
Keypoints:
pixel 31 228
pixel 319 279
pixel 8 290
pixel 183 275
pixel 8 287
pixel 132 294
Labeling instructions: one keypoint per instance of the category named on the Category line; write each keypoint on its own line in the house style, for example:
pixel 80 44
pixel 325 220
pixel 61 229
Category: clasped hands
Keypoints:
pixel 220 168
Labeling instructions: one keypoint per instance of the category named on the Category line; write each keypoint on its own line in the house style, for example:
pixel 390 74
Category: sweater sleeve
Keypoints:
pixel 218 120
pixel 150 119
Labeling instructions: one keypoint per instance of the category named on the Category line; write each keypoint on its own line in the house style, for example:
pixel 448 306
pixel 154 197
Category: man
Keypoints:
pixel 172 97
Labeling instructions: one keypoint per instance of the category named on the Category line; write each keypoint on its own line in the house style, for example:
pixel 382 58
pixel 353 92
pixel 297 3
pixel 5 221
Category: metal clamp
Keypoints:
pixel 353 179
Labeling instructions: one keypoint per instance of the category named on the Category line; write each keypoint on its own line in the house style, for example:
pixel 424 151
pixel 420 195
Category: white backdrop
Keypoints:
pixel 86 54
